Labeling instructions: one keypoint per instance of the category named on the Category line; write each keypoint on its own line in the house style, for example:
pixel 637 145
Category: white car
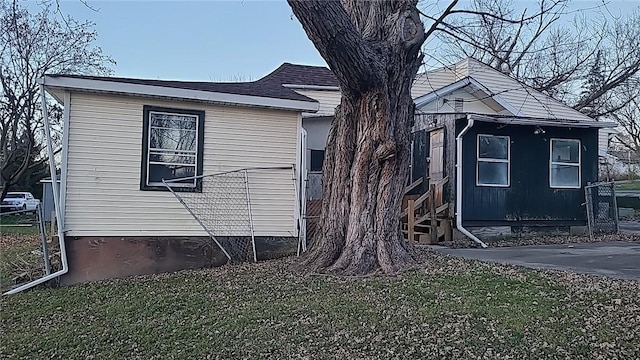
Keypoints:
pixel 15 201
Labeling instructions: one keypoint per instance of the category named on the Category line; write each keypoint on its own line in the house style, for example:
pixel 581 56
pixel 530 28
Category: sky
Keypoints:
pixel 215 40
pixel 234 40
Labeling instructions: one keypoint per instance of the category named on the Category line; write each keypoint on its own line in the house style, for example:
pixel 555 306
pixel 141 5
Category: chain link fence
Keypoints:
pixel 28 247
pixel 602 208
pixel 314 210
pixel 221 204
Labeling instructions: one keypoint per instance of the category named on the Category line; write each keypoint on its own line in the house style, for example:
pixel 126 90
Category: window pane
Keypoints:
pixel 317 159
pixel 565 175
pixel 172 139
pixel 493 173
pixel 493 147
pixel 567 151
pixel 173 121
pixel 157 172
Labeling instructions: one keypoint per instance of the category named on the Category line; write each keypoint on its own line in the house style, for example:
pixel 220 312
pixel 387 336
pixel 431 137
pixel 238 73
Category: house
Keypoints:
pixel 318 83
pixel 123 137
pixel 623 164
pixel 507 157
pixel 487 151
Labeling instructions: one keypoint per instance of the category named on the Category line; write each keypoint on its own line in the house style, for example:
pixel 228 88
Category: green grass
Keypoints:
pixel 459 310
pixel 634 185
pixel 19 230
pixel 20 224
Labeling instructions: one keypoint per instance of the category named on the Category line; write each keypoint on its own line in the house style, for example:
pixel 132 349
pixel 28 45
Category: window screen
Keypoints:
pixel 565 163
pixel 493 160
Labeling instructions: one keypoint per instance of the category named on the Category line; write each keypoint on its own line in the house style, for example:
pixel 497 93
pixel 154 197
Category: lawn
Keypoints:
pixel 25 223
pixel 448 309
pixel 632 185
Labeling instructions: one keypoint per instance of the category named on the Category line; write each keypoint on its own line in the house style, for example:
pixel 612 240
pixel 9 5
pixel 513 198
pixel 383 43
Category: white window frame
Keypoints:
pixel 493 160
pixel 551 163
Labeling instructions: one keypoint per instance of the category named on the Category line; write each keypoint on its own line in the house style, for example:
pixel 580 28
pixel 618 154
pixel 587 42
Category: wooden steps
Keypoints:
pixel 424 217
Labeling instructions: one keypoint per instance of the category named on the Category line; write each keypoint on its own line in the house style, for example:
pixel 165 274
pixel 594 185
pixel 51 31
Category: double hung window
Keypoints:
pixel 172 148
pixel 564 164
pixel 493 160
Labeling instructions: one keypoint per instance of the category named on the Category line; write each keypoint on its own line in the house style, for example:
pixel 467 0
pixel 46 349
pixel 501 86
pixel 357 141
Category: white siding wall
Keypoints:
pixel 603 139
pixel 328 100
pixel 104 155
pixel 428 82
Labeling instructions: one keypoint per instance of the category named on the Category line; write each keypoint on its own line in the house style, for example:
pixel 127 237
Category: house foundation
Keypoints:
pixel 99 258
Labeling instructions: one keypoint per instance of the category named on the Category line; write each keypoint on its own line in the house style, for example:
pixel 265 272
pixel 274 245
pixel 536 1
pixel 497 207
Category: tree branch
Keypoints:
pixel 340 38
pixel 440 19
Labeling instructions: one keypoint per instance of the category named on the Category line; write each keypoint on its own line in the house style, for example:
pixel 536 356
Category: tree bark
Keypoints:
pixel 373 48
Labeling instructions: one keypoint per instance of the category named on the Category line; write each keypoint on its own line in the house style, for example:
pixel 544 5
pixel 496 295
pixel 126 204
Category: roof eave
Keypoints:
pixel 568 123
pixel 113 87
pixel 460 84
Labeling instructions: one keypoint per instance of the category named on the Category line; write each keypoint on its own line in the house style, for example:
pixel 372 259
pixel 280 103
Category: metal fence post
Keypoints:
pixel 253 239
pixel 43 238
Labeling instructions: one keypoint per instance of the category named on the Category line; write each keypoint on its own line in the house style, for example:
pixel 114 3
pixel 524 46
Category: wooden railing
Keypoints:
pixel 425 212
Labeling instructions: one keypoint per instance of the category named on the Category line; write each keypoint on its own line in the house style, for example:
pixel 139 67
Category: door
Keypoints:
pixel 436 161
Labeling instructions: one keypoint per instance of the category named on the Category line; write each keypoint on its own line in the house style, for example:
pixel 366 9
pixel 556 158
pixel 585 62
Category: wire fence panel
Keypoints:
pixel 602 208
pixel 221 204
pixel 27 246
pixel 313 231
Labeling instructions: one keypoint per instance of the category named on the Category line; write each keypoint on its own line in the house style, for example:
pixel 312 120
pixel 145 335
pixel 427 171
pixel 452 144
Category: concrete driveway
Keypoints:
pixel 631 227
pixel 612 259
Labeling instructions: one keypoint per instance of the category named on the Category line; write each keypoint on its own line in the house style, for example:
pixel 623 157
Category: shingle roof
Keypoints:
pixel 268 89
pixel 293 74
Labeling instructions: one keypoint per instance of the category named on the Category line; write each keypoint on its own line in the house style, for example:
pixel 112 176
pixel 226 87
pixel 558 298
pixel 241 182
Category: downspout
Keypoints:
pixel 56 196
pixel 459 184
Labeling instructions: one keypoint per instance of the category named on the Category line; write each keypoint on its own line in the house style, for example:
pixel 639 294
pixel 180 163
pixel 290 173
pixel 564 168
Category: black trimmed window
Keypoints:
pixel 317 160
pixel 494 155
pixel 564 164
pixel 172 143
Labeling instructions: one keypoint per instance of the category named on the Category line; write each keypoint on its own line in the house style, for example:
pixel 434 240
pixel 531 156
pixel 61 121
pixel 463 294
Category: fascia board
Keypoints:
pixel 444 91
pixel 499 99
pixel 543 122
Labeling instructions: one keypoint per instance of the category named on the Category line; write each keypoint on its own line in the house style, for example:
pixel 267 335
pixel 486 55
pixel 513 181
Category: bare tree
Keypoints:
pixel 492 32
pixel 581 64
pixel 628 117
pixel 32 45
pixel 373 48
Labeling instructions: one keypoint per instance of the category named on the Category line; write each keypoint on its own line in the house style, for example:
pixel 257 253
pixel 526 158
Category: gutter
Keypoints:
pixel 459 184
pixel 56 199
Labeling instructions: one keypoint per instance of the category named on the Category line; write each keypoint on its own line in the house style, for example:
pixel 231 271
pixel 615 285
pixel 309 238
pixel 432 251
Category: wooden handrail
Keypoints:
pixel 413 185
pixel 418 202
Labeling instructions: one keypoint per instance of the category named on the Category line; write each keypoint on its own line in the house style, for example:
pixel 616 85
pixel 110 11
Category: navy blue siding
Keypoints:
pixel 529 200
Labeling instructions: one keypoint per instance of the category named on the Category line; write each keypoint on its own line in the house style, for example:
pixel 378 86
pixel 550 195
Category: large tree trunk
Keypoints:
pixel 373 49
